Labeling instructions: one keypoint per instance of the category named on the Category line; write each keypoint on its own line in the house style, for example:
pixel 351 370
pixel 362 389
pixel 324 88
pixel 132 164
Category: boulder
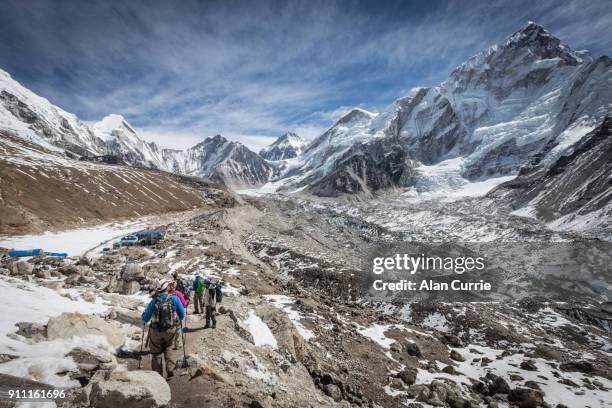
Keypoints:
pixel 118 285
pixel 396 347
pixel 581 366
pixel 529 365
pixel 67 325
pixel 115 284
pixel 413 349
pixel 491 384
pixel 130 288
pixel 526 398
pixel 159 268
pixel 34 331
pixel 455 355
pixel 333 391
pixel 126 316
pixel 89 360
pixel 89 297
pixel 82 270
pixel 21 268
pixel 133 389
pixel 132 272
pixel 43 274
pixel 408 375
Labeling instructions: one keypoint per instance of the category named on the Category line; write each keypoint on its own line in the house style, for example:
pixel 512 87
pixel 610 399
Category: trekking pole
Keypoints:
pixel 185 364
pixel 141 346
pixel 183 336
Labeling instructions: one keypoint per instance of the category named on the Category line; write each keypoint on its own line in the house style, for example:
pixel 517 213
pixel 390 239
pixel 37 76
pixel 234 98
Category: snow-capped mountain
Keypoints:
pixel 288 146
pixel 123 141
pixel 35 119
pixel 223 161
pixel 518 103
pixel 529 96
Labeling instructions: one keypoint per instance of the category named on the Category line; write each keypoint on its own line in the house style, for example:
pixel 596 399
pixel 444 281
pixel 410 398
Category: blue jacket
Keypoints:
pixel 178 307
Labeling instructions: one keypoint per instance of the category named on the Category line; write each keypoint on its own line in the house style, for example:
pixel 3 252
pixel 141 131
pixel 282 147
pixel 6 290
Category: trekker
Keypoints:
pixel 179 295
pixel 181 287
pixel 212 295
pixel 163 311
pixel 198 290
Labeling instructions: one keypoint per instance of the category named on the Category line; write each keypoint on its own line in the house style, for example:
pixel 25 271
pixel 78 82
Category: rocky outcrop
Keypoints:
pixel 569 188
pixel 134 389
pixel 68 325
pixel 365 169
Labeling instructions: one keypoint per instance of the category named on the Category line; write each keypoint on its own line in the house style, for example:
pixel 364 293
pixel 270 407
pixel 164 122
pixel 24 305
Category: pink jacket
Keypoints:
pixel 180 296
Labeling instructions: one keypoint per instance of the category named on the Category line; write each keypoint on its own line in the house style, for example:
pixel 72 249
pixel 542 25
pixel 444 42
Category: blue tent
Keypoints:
pixel 27 252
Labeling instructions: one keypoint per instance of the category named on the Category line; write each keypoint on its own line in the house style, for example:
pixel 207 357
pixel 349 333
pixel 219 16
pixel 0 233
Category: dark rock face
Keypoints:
pixel 575 183
pixel 446 133
pixel 367 168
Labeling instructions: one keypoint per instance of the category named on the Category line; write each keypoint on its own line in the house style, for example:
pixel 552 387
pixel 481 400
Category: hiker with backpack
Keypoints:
pixel 198 293
pixel 179 295
pixel 181 287
pixel 212 295
pixel 165 311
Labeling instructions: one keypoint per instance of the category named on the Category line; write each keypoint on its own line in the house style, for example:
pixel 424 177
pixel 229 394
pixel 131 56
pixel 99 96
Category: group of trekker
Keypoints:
pixel 167 310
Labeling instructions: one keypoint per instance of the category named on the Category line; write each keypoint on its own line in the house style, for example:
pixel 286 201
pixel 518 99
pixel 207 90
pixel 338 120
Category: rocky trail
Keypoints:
pixel 293 329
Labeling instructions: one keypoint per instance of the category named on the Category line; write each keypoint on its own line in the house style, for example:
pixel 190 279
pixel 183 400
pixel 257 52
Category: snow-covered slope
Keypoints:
pixel 574 191
pixel 121 140
pixel 288 146
pixel 31 117
pixel 529 96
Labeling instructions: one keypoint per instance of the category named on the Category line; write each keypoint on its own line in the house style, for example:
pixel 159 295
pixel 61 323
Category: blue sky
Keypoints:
pixel 182 71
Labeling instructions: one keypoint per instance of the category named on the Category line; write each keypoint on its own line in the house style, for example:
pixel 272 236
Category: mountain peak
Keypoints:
pixel 112 122
pixel 355 114
pixel 541 43
pixel 287 146
pixel 216 140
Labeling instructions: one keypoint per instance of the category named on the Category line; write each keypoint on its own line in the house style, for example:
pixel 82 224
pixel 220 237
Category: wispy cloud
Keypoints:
pixel 252 70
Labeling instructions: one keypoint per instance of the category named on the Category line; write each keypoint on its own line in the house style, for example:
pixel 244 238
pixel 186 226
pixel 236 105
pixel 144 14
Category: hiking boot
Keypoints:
pixel 214 326
pixel 207 326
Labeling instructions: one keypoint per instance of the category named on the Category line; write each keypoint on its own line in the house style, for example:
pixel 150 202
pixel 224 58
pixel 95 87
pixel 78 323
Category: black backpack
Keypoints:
pixel 181 287
pixel 218 293
pixel 164 312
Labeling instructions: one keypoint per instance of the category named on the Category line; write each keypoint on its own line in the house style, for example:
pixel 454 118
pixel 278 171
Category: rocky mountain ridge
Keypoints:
pixel 527 99
pixel 30 117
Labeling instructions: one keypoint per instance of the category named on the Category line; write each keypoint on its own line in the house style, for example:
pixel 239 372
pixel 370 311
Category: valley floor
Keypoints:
pixel 294 330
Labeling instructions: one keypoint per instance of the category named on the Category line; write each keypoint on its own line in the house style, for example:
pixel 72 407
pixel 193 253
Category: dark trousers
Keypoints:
pixel 160 343
pixel 210 316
